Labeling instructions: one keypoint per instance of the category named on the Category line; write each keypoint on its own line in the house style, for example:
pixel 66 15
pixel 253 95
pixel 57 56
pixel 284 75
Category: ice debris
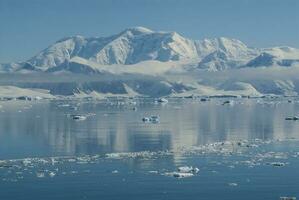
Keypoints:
pixel 288 198
pixel 278 164
pixel 162 100
pixel 244 152
pixel 228 102
pixel 40 174
pixel 233 184
pixel 187 169
pixel 183 172
pixel 52 174
pixel 79 117
pixel 152 119
pixel 295 118
pixel 179 174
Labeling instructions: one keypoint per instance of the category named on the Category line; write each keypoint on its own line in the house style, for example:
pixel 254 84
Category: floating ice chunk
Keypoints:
pixel 152 119
pixel 182 175
pixel 64 105
pixel 53 161
pixel 187 169
pixel 52 174
pixel 195 170
pixel 295 118
pixel 79 117
pixel 162 100
pixel 74 108
pixel 4 164
pixel 38 98
pixel 145 119
pixel 83 160
pixel 40 174
pixel 203 99
pixel 233 184
pixel 278 164
pixel 179 174
pixel 26 162
pixel 133 103
pixel 228 102
pixel 288 198
pixel 153 172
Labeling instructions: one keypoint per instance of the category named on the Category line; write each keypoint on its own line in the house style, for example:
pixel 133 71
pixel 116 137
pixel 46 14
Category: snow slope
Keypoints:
pixel 15 92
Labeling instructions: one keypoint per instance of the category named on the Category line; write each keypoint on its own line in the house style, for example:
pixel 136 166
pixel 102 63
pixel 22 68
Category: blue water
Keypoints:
pixel 44 129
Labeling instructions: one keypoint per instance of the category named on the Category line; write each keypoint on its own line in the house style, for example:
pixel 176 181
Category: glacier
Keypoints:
pixel 142 62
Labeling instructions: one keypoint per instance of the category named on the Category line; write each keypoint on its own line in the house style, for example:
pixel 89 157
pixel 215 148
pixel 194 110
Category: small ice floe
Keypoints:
pixel 179 174
pixel 146 119
pixel 153 172
pixel 132 103
pixel 74 108
pixel 233 184
pixel 288 198
pixel 204 99
pixel 187 169
pixel 152 119
pixel 228 102
pixel 37 98
pixel 277 164
pixel 64 105
pixel 52 174
pixel 139 155
pixel 183 172
pixel 79 117
pixel 4 164
pixel 162 100
pixel 53 161
pixel 40 174
pixel 83 160
pixel 295 118
pixel 26 162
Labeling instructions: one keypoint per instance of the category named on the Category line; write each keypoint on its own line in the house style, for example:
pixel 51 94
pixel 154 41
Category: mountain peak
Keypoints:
pixel 138 30
pixel 74 37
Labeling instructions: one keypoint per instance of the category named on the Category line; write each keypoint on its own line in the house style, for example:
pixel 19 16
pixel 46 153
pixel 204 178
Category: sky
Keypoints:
pixel 29 26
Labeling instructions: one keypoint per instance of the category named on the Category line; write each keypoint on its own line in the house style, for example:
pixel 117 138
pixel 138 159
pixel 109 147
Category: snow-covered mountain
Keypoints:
pixel 138 44
pixel 139 61
pixel 278 56
pixel 131 46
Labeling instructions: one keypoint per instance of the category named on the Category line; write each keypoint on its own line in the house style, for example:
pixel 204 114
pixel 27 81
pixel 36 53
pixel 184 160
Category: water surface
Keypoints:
pixel 45 129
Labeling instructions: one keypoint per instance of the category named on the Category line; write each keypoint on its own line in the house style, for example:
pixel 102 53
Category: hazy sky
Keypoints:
pixel 28 26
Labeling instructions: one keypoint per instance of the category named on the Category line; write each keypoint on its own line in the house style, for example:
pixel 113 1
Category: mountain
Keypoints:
pixel 138 44
pixel 279 56
pixel 131 46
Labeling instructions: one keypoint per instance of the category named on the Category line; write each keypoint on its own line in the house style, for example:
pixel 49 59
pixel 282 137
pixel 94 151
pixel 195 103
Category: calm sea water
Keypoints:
pixel 44 129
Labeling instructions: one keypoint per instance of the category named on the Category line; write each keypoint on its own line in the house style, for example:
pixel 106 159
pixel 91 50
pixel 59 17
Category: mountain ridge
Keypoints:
pixel 138 44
